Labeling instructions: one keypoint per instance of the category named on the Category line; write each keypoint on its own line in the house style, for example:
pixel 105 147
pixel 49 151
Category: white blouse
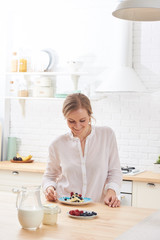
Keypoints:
pixel 90 175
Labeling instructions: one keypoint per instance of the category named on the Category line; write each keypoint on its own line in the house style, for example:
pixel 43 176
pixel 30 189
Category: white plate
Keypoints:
pixel 40 61
pixel 86 201
pixel 53 59
pixel 82 217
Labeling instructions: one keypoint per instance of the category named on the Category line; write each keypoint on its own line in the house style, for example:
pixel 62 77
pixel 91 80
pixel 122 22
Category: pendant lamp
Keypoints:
pixel 138 10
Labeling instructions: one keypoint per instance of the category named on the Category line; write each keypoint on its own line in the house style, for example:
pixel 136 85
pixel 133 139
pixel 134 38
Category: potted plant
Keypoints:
pixel 157 165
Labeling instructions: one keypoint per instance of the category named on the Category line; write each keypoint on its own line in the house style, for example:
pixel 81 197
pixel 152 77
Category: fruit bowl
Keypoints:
pixel 20 159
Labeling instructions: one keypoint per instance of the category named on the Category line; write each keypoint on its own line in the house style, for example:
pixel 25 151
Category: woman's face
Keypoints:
pixel 78 122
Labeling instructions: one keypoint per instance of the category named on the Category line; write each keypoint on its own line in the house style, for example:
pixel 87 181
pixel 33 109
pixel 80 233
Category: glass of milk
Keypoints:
pixel 29 206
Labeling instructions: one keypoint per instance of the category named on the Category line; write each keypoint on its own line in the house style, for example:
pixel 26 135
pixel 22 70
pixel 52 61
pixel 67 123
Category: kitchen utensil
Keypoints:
pixel 12 148
pixel 29 206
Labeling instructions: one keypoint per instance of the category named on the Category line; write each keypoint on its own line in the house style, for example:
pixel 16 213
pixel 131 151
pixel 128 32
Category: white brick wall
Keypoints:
pixel 135 118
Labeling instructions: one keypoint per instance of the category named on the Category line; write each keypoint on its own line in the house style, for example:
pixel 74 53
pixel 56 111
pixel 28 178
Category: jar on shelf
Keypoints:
pixel 43 87
pixel 14 62
pixel 22 89
pixel 22 65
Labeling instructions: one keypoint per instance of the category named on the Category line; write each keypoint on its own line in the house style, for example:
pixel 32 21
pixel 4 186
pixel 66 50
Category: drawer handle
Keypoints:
pixel 151 184
pixel 15 172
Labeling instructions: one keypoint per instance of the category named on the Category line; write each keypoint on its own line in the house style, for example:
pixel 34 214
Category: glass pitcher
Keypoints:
pixel 29 206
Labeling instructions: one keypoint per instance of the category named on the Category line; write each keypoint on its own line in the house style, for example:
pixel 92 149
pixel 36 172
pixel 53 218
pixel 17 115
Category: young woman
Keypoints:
pixel 85 160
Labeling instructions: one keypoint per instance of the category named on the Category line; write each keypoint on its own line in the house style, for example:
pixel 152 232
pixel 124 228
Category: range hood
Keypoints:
pixel 121 77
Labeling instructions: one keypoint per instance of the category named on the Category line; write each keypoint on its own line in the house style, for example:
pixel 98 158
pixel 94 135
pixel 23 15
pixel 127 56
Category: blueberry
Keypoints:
pixel 94 213
pixel 88 214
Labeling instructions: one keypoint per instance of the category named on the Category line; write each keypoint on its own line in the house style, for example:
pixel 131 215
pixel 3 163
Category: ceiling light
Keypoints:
pixel 138 10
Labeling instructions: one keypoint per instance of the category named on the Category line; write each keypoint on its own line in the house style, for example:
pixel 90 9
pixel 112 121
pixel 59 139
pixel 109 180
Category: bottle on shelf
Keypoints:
pixel 12 88
pixel 14 62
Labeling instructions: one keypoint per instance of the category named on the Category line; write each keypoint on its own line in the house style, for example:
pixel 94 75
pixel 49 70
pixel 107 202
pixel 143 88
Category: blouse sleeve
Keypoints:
pixel 53 170
pixel 114 178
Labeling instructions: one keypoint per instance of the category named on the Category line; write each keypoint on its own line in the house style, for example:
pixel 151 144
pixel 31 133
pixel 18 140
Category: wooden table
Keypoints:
pixel 109 224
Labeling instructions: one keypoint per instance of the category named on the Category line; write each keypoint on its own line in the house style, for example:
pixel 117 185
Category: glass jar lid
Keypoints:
pixel 51 208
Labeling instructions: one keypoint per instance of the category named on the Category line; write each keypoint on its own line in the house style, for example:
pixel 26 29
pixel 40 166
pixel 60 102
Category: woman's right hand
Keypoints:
pixel 51 194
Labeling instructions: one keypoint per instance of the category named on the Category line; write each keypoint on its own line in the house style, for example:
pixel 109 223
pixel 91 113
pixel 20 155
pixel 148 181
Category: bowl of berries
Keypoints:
pixel 75 199
pixel 82 214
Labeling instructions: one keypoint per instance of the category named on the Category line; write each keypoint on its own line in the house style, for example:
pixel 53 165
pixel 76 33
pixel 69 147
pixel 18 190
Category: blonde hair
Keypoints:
pixel 76 101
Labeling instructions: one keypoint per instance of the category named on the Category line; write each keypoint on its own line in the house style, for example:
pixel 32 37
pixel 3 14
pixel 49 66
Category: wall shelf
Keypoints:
pixel 34 98
pixel 45 73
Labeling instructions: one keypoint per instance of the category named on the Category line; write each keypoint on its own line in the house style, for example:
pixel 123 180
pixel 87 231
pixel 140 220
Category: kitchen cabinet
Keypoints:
pixel 146 195
pixel 126 193
pixel 141 190
pixel 13 176
pixel 16 174
pixel 11 180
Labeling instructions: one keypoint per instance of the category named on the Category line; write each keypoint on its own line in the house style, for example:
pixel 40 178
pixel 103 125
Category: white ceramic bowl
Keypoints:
pixel 74 66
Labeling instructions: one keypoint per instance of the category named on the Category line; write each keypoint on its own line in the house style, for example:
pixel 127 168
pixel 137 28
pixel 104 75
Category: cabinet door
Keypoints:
pixel 11 180
pixel 146 195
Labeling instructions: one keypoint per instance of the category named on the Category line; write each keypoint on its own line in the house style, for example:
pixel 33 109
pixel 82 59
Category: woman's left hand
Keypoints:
pixel 111 199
